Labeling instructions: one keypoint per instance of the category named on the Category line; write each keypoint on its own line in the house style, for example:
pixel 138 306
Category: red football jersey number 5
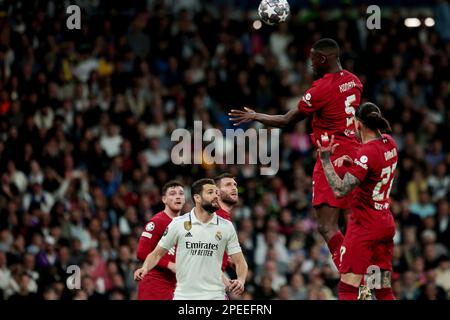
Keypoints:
pixel 349 109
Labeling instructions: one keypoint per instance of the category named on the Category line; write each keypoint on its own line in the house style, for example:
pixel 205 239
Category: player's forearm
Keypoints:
pixel 241 270
pixel 278 121
pixel 340 187
pixel 163 262
pixel 333 179
pixel 152 260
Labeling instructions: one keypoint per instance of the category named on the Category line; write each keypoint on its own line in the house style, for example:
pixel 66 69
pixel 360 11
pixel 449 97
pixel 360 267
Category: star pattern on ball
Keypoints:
pixel 284 15
pixel 271 11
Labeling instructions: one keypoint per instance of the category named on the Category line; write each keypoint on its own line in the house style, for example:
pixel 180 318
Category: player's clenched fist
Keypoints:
pixel 139 274
pixel 236 287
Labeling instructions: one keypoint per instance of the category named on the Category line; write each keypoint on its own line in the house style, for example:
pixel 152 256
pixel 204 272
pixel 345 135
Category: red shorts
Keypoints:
pixel 364 247
pixel 150 288
pixel 322 193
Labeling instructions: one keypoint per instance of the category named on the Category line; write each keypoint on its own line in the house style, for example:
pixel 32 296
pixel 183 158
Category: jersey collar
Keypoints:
pixel 193 219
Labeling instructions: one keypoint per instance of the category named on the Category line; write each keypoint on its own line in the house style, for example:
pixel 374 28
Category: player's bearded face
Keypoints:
pixel 210 200
pixel 228 191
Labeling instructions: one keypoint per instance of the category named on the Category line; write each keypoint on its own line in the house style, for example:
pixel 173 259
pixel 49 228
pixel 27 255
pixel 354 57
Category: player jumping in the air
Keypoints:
pixel 332 101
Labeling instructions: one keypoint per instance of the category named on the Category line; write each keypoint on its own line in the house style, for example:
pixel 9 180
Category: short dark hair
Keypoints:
pixel 327 45
pixel 370 116
pixel 224 175
pixel 197 186
pixel 171 184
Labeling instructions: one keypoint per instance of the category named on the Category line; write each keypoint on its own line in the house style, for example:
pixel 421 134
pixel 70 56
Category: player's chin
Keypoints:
pixel 177 206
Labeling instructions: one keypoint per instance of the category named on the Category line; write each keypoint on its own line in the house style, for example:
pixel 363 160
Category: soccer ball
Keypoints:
pixel 273 12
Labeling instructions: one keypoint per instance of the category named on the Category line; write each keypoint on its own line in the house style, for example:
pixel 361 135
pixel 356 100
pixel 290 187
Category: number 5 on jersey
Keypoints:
pixel 349 109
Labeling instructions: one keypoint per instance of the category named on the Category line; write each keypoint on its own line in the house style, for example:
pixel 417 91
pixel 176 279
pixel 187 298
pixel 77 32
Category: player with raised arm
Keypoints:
pixel 371 227
pixel 159 284
pixel 332 101
pixel 201 238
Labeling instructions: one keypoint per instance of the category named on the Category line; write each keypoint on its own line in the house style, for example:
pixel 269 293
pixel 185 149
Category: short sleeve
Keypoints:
pixel 233 243
pixel 169 237
pixel 360 166
pixel 149 238
pixel 311 100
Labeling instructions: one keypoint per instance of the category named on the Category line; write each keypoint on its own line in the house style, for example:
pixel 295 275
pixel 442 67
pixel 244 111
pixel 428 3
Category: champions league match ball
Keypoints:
pixel 273 12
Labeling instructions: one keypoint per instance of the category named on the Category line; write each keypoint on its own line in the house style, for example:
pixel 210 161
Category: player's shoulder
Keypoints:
pixel 347 80
pixel 349 74
pixel 389 140
pixel 343 77
pixel 390 149
pixel 223 214
pixel 156 220
pixel 159 216
pixel 181 218
pixel 223 220
pixel 178 222
pixel 386 142
pixel 226 224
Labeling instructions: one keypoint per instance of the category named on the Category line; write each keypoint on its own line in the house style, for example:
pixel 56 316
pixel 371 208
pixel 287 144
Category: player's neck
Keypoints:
pixel 336 67
pixel 369 136
pixel 202 215
pixel 226 207
pixel 170 213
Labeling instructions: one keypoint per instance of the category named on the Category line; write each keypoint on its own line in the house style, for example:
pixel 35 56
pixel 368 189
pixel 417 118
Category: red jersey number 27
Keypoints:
pixel 387 178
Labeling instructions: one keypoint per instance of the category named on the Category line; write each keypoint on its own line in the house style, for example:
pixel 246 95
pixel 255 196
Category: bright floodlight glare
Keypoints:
pixel 257 25
pixel 412 22
pixel 429 22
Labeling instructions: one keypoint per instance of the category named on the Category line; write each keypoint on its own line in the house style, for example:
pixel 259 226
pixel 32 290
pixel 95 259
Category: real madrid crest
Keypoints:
pixel 218 235
pixel 187 225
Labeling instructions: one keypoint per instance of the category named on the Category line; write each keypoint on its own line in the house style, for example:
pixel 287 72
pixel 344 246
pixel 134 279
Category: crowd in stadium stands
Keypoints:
pixel 86 118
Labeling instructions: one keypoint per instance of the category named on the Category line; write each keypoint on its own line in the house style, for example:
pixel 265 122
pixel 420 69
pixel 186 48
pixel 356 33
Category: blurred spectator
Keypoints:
pixel 424 207
pixel 23 293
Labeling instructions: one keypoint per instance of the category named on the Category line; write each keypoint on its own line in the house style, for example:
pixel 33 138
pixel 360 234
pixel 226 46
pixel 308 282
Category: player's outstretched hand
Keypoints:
pixel 325 151
pixel 236 287
pixel 139 274
pixel 343 161
pixel 239 116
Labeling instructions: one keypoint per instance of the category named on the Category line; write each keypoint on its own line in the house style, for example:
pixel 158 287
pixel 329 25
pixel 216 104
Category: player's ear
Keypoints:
pixel 164 199
pixel 323 59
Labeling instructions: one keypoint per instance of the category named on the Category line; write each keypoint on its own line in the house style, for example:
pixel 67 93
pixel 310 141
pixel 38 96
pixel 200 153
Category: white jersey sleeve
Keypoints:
pixel 233 243
pixel 170 236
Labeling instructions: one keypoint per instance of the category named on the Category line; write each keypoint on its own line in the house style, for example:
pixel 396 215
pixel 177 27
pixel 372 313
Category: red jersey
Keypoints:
pixel 333 99
pixel 374 165
pixel 227 216
pixel 147 243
